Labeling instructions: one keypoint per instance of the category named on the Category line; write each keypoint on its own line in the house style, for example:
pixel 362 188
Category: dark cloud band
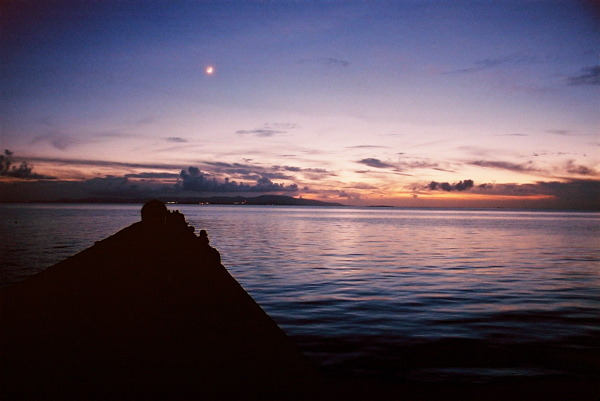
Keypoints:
pixel 192 179
pixel 445 186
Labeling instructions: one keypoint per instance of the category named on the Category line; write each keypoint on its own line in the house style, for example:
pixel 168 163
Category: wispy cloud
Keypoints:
pixel 311 173
pixel 562 132
pixel 259 132
pixel 176 139
pixel 402 165
pixel 376 163
pixel 588 76
pixel 522 168
pixel 269 129
pixel 103 163
pixel 570 168
pixel 579 169
pixel 490 63
pixel 57 140
pixel 515 134
pixel 325 61
pixel 366 147
pixel 148 120
pixel 422 164
pixel 240 170
pixel 113 134
pixel 63 141
pixel 152 175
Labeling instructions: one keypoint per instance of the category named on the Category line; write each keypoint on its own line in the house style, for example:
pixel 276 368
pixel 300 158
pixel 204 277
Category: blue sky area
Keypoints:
pixel 407 103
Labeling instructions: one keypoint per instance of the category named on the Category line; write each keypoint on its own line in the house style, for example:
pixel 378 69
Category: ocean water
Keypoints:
pixel 406 294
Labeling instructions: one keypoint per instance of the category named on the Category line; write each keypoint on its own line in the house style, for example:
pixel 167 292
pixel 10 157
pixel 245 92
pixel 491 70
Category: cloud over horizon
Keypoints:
pixel 23 171
pixel 192 179
pixel 445 186
pixel 572 194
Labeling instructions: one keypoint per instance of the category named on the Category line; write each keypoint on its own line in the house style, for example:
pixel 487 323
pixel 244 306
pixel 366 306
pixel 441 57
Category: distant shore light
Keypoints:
pixel 209 70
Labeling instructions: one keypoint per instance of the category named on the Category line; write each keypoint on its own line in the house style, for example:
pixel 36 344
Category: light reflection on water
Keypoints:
pixel 363 287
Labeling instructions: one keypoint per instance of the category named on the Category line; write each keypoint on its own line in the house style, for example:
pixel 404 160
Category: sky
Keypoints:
pixel 400 103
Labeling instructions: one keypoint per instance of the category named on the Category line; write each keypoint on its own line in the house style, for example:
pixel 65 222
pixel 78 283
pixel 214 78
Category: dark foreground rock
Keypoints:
pixel 144 315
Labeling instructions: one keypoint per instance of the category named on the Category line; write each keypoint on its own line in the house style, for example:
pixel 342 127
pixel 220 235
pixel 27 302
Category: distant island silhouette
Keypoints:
pixel 262 200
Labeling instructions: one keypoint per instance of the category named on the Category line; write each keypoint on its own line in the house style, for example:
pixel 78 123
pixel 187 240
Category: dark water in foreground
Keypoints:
pixel 428 295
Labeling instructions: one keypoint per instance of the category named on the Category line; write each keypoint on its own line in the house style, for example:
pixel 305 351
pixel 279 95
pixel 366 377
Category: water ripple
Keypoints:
pixel 457 295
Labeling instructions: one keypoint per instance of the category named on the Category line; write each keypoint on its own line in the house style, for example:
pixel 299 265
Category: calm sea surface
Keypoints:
pixel 413 294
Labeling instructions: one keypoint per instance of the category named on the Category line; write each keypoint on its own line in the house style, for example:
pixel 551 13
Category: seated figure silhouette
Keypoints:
pixel 170 228
pixel 154 215
pixel 203 238
pixel 212 254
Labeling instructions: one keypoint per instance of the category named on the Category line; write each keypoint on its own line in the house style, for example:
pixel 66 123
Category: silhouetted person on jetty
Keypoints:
pixel 203 241
pixel 154 214
pixel 147 313
pixel 168 230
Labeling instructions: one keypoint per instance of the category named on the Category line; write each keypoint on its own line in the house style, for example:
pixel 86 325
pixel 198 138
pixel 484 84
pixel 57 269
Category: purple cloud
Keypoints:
pixel 445 186
pixel 192 179
pixel 372 162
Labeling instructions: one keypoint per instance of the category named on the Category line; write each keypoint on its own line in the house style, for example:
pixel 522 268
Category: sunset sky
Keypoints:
pixel 406 103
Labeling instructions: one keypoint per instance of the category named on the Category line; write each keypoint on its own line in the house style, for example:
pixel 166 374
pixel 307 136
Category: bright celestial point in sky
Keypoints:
pixel 407 103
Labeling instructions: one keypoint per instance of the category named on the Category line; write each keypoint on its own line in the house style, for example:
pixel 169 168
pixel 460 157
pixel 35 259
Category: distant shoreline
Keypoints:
pixel 263 200
pixel 286 201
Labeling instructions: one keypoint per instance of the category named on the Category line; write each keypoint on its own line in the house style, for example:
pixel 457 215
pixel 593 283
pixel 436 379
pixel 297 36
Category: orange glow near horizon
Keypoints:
pixel 105 175
pixel 484 197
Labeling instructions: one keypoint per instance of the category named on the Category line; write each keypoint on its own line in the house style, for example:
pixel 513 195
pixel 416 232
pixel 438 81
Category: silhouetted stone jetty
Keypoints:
pixel 148 313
